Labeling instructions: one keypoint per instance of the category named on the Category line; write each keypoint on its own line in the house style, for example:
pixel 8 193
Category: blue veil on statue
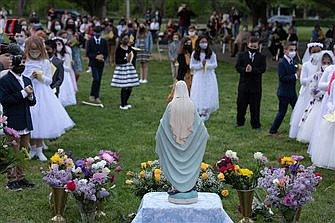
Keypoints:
pixel 181 141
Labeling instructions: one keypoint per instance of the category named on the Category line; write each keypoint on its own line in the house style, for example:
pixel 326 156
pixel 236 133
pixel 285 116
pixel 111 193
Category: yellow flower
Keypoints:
pixel 142 174
pixel 237 168
pixel 225 193
pixel 157 174
pixel 221 177
pixel 129 182
pixel 149 162
pixel 204 176
pixel 286 160
pixel 204 166
pixel 55 158
pixel 130 174
pixel 246 172
pixel 69 164
pixel 143 165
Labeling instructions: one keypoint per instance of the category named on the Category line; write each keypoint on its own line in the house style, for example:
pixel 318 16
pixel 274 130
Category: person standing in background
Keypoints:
pixel 251 64
pixel 173 55
pixel 184 15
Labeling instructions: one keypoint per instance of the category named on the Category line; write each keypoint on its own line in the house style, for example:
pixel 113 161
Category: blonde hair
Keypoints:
pixel 39 43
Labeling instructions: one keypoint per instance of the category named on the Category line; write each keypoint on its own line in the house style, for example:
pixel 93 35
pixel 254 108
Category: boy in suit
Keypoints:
pixel 251 64
pixel 16 97
pixel 288 73
pixel 58 71
pixel 97 52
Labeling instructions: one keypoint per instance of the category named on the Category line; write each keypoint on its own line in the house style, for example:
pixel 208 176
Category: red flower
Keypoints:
pixel 71 185
pixel 112 178
pixel 227 168
pixel 317 174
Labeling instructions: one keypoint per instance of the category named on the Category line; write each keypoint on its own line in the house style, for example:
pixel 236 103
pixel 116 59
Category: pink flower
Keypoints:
pixel 11 132
pixel 14 143
pixel 118 169
pixel 3 119
pixel 287 200
pixel 108 158
pixel 297 157
pixel 99 177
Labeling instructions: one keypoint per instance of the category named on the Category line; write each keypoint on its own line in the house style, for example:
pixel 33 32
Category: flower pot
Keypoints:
pixel 289 215
pixel 87 211
pixel 245 198
pixel 60 196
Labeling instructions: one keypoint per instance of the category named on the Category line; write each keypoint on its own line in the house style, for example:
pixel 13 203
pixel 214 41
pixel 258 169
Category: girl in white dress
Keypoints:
pixel 308 70
pixel 323 148
pixel 67 92
pixel 50 120
pixel 204 91
pixel 312 111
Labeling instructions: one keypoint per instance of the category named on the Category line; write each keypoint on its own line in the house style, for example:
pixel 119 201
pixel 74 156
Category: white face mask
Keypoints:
pixel 34 54
pixel 59 48
pixel 57 27
pixel 292 54
pixel 191 33
pixel 203 45
pixel 323 67
pixel 20 40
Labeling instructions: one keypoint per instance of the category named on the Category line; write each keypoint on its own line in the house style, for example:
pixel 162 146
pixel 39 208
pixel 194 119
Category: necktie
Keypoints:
pixel 98 41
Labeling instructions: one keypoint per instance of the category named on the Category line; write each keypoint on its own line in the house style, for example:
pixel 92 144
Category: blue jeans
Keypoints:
pixel 96 82
pixel 183 30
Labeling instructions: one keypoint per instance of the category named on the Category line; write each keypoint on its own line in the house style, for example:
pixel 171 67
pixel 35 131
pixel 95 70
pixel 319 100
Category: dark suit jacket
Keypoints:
pixel 58 76
pixel 251 81
pixel 15 107
pixel 93 49
pixel 287 79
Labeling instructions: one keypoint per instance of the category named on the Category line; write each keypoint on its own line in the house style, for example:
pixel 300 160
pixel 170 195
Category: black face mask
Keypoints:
pixel 252 50
pixel 18 69
pixel 142 29
pixel 125 42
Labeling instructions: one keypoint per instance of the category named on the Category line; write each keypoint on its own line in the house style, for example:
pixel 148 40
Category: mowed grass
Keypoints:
pixel 132 133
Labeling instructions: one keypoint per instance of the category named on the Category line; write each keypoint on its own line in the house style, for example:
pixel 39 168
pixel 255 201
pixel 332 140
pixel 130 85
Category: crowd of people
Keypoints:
pixel 35 88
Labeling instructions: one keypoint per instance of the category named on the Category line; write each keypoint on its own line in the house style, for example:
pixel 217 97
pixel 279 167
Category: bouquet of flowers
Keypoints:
pixel 60 169
pixel 210 181
pixel 92 176
pixel 240 178
pixel 10 157
pixel 290 186
pixel 150 178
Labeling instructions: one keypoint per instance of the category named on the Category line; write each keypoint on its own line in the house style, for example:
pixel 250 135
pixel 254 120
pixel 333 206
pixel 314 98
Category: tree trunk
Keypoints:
pixel 258 10
pixel 20 7
pixel 305 13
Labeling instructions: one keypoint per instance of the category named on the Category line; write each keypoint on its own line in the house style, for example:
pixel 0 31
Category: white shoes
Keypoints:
pixel 37 152
pixel 128 106
pixel 143 81
pixel 123 107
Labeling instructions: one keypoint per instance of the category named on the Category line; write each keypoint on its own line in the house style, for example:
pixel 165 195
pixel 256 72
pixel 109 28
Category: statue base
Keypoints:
pixel 184 198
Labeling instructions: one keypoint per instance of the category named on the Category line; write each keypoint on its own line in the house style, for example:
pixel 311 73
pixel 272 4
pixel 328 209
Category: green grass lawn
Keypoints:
pixel 132 133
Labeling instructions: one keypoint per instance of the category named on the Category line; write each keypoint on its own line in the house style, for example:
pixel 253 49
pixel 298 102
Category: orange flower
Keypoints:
pixel 225 193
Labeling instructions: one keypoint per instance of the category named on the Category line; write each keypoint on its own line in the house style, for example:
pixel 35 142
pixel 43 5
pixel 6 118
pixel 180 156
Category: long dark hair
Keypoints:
pixel 182 42
pixel 197 50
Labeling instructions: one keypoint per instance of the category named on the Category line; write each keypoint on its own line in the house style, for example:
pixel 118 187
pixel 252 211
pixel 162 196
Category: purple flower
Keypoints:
pixel 118 169
pixel 297 157
pixel 102 193
pixel 11 132
pixel 99 177
pixel 287 200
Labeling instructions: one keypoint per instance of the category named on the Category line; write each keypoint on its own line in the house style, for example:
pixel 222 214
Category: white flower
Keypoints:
pixel 90 160
pixel 106 170
pixel 95 166
pixel 54 166
pixel 231 154
pixel 76 170
pixel 84 181
pixel 60 150
pixel 258 155
pixel 275 181
pixel 96 158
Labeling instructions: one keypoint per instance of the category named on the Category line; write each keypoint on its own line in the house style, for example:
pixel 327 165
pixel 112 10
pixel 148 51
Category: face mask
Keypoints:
pixel 19 40
pixel 34 54
pixel 57 27
pixel 125 42
pixel 18 69
pixel 59 48
pixel 244 29
pixel 24 27
pixel 292 54
pixel 175 39
pixel 315 57
pixel 323 67
pixel 203 45
pixel 252 50
pixel 191 33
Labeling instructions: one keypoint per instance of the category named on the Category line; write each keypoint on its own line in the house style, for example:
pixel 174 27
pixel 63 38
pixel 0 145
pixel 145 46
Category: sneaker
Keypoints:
pixel 144 81
pixel 89 70
pixel 128 106
pixel 141 81
pixel 14 186
pixel 24 183
pixel 91 99
pixel 123 107
pixel 97 100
